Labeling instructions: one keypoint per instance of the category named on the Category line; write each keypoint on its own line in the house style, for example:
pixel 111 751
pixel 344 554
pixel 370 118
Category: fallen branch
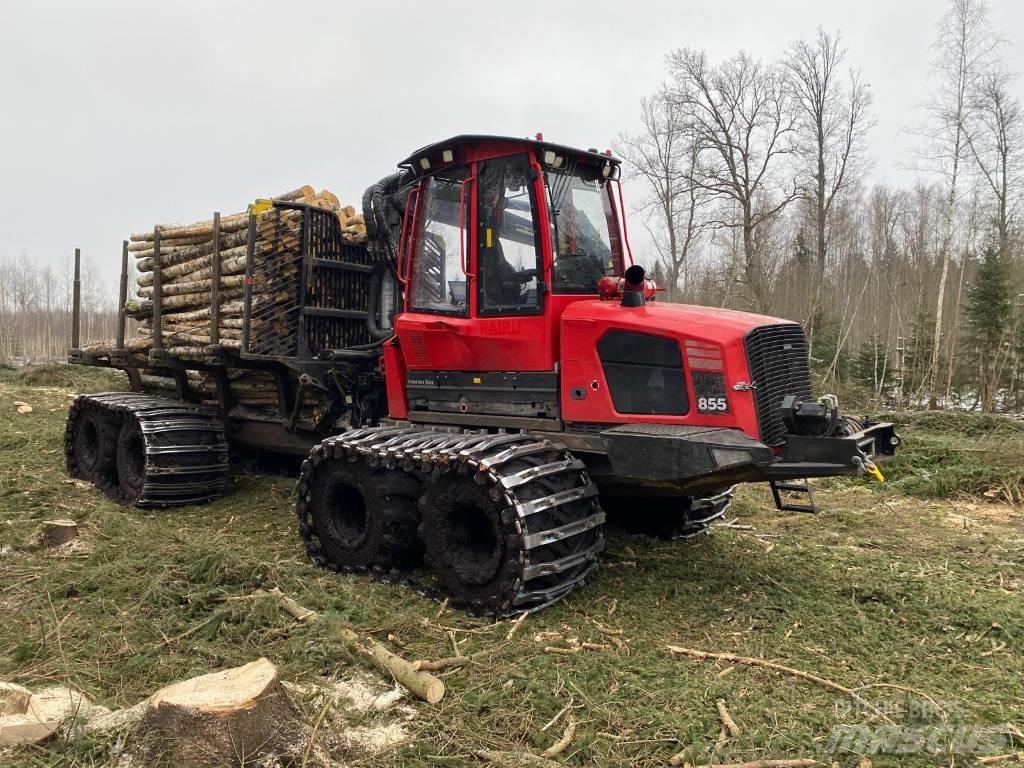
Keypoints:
pixel 723 736
pixel 518 623
pixel 563 651
pixel 802 762
pixel 558 716
pixel 450 662
pixel 993 759
pixel 515 758
pixel 422 684
pixel 187 632
pixel 751 662
pixel 727 722
pixel 305 615
pixel 560 746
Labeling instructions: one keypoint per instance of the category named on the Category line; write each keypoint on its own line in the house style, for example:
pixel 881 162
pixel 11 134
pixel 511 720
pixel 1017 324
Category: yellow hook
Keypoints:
pixel 872 469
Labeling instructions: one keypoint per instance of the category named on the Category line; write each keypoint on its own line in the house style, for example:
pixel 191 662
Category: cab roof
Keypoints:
pixel 411 162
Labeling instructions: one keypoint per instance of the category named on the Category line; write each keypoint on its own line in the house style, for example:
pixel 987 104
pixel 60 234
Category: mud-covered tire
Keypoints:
pixel 91 441
pixel 476 542
pixel 178 450
pixel 362 517
pixel 472 551
pixel 130 461
pixel 512 521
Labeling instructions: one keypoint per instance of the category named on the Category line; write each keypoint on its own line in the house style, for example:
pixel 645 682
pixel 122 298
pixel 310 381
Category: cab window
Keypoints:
pixel 508 247
pixel 584 232
pixel 438 282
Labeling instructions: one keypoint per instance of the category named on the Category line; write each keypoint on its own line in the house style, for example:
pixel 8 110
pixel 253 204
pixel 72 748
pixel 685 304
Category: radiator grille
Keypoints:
pixel 778 366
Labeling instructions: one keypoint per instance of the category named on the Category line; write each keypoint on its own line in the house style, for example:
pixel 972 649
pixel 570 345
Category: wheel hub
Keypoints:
pixel 348 515
pixel 474 543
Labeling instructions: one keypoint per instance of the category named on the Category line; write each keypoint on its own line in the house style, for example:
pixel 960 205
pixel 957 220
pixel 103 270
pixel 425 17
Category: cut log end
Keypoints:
pixel 228 717
pixel 54 533
pixel 13 699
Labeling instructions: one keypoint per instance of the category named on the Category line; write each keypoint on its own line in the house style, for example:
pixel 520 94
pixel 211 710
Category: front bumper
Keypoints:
pixel 701 458
pixel 804 456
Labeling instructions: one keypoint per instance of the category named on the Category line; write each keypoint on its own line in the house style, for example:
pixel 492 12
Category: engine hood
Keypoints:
pixel 707 323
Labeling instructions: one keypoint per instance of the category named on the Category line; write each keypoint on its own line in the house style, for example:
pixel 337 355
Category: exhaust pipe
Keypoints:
pixel 633 290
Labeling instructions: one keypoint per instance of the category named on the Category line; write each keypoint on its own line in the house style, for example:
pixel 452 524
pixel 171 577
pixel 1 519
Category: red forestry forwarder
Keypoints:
pixel 485 369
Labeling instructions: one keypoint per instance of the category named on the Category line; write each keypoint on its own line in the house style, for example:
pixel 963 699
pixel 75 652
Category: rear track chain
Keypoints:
pixel 185 447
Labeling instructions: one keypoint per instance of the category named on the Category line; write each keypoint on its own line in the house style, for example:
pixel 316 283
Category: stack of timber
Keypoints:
pixel 186 254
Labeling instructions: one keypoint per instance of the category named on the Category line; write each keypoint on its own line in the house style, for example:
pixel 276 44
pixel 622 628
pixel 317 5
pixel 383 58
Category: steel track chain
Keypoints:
pixel 703 511
pixel 177 469
pixel 486 457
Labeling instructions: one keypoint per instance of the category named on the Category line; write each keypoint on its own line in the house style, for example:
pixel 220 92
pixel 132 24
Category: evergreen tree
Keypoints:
pixel 916 356
pixel 660 279
pixel 870 367
pixel 826 340
pixel 988 317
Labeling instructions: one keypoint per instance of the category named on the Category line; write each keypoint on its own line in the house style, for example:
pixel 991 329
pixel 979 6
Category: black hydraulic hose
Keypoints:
pixel 377 333
pixel 361 352
pixel 833 423
pixel 375 212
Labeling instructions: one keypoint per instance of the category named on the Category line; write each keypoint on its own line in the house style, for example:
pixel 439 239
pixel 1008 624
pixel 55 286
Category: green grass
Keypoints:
pixel 881 588
pixel 948 453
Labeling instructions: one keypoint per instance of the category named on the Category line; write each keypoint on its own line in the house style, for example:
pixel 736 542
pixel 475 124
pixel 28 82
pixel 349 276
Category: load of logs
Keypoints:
pixel 187 272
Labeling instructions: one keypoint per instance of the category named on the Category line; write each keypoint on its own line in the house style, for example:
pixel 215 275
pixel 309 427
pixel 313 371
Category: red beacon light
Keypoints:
pixel 608 288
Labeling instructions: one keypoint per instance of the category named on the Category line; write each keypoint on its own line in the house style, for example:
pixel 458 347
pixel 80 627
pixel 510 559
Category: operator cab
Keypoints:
pixel 499 236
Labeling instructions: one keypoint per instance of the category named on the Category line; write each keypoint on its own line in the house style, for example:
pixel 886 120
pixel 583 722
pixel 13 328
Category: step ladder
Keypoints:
pixel 793 496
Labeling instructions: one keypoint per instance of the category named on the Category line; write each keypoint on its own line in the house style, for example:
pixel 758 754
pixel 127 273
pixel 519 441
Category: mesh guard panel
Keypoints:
pixel 309 287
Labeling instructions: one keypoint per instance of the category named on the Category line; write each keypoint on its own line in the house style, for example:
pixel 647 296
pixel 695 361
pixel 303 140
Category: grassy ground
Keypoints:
pixel 882 589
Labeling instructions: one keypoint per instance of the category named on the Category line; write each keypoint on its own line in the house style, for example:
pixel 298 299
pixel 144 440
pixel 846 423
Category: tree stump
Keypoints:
pixel 17 730
pixel 228 718
pixel 14 699
pixel 57 532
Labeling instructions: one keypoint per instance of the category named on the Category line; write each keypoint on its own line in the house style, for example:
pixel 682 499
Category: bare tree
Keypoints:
pixel 743 124
pixel 962 52
pixel 995 136
pixel 664 154
pixel 834 120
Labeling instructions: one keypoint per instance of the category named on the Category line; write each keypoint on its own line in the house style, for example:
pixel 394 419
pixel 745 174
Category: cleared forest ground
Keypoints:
pixel 915 601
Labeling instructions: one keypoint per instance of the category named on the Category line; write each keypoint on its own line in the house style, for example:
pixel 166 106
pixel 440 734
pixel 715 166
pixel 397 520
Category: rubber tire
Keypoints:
pixel 382 516
pixel 131 462
pixel 493 591
pixel 454 506
pixel 92 451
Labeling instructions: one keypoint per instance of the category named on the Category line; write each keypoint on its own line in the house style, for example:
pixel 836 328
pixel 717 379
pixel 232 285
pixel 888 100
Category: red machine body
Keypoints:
pixel 563 333
pixel 521 310
pixel 711 341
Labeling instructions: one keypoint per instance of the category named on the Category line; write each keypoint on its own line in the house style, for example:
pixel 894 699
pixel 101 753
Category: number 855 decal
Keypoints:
pixel 712 404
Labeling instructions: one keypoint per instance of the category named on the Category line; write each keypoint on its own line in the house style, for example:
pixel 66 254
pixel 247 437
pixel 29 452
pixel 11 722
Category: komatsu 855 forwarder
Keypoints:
pixel 475 385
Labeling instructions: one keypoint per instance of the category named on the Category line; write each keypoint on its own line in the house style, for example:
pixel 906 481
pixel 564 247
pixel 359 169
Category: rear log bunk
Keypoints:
pixel 199 290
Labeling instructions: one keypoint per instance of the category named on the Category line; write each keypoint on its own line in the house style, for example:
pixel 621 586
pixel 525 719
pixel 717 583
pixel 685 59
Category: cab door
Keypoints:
pixel 475 338
pixel 476 288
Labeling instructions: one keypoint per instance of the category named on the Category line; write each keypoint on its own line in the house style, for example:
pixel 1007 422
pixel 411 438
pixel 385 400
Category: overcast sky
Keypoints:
pixel 115 116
